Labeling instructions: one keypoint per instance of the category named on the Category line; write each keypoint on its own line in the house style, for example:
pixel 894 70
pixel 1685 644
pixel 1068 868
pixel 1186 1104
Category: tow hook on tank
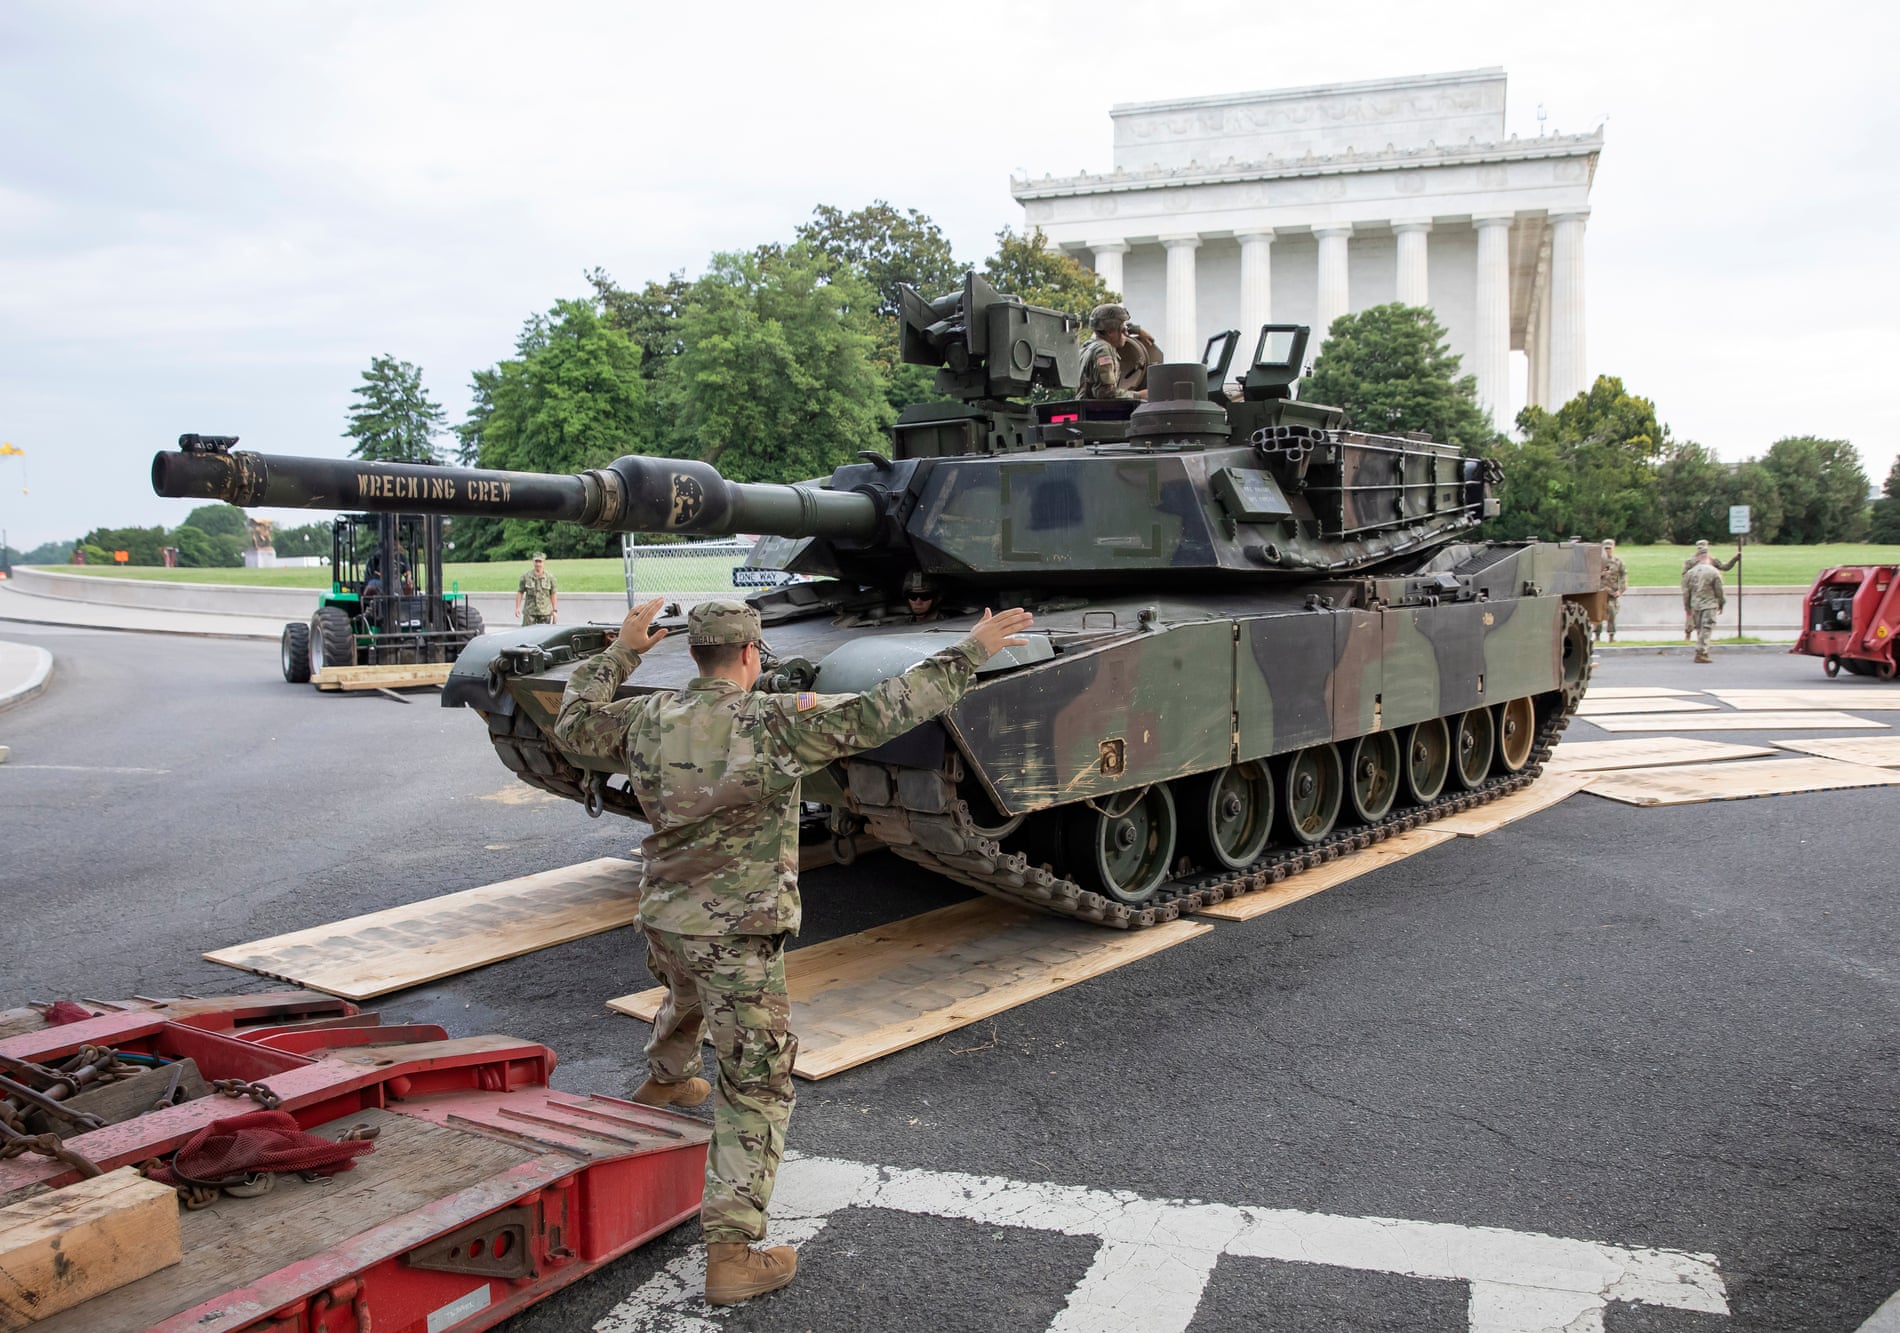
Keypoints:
pixel 595 798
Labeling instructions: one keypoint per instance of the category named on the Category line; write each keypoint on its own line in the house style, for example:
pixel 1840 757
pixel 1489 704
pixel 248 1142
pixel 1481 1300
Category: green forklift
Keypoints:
pixel 386 606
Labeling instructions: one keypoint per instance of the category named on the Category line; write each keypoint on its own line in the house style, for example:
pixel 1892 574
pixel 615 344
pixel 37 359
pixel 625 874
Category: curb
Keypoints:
pixel 37 679
pixel 135 629
pixel 1688 650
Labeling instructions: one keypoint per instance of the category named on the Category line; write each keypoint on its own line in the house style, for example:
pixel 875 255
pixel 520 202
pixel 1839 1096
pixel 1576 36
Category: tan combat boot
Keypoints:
pixel 737 1272
pixel 688 1092
pixel 1703 657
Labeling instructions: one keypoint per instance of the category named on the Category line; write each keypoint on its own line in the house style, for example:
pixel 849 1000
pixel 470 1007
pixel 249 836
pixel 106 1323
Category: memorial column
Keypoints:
pixel 1569 372
pixel 1256 285
pixel 1491 326
pixel 1335 296
pixel 1180 340
pixel 1108 263
pixel 1414 269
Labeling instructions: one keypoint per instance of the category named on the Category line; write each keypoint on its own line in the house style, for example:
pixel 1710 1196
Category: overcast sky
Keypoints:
pixel 213 215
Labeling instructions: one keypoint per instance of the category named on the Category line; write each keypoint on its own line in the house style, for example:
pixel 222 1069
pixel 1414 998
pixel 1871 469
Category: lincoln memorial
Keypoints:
pixel 1300 205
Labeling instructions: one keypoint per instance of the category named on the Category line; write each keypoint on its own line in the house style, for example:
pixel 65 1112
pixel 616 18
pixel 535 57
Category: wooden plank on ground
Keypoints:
pixel 62 1248
pixel 1876 698
pixel 1728 721
pixel 1638 692
pixel 871 994
pixel 1693 784
pixel 1320 878
pixel 1592 705
pixel 1878 751
pixel 1645 752
pixel 401 675
pixel 1547 791
pixel 386 951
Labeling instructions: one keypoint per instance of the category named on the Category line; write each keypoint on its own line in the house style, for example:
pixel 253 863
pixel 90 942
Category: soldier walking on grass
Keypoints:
pixel 536 592
pixel 1702 600
pixel 716 765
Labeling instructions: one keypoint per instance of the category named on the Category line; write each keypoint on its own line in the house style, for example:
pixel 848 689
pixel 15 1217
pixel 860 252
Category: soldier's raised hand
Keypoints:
pixel 635 631
pixel 994 631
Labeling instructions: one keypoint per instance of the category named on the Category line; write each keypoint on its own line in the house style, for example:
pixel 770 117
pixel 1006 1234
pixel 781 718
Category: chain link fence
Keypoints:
pixel 693 571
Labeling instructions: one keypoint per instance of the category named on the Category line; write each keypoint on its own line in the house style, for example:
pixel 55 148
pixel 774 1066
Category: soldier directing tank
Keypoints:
pixel 1262 638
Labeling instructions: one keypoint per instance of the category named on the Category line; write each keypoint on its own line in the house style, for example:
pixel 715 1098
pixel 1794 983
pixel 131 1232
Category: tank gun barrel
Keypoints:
pixel 630 494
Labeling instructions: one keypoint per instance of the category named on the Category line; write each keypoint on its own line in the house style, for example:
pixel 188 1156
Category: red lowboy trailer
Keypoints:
pixel 1853 618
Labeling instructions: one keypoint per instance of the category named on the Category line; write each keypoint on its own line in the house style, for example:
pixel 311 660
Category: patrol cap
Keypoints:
pixel 1105 317
pixel 1702 545
pixel 1609 541
pixel 540 555
pixel 722 621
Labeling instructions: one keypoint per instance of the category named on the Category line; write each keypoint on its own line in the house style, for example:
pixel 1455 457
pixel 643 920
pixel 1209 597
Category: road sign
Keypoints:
pixel 1737 519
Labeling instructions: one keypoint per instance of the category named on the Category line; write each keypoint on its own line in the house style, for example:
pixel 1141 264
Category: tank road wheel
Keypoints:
pixel 332 641
pixel 1123 845
pixel 1473 740
pixel 295 651
pixel 1517 730
pixel 1227 816
pixel 1312 787
pixel 1427 759
pixel 1577 651
pixel 1832 665
pixel 1374 767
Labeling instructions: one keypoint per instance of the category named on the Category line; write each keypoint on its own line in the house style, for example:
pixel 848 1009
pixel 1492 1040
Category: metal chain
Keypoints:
pixel 257 1092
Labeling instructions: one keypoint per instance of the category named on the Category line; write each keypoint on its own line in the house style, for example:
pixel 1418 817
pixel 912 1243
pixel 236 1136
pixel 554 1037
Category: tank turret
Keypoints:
pixel 1262 637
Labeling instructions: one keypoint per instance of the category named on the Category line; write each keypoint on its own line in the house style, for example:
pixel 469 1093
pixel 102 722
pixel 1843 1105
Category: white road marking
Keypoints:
pixel 82 768
pixel 1157 1255
pixel 1884 1320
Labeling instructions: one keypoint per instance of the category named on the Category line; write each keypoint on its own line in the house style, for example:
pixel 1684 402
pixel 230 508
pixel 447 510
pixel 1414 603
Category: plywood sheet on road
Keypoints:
pixel 1334 873
pixel 1592 705
pixel 1727 721
pixel 1547 791
pixel 386 951
pixel 1645 752
pixel 389 677
pixel 887 989
pixel 1694 784
pixel 1877 699
pixel 1878 751
pixel 1638 692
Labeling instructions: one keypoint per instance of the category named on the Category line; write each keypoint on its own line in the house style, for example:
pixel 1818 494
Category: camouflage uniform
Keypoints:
pixel 1615 582
pixel 537 598
pixel 1702 600
pixel 1108 373
pixel 717 769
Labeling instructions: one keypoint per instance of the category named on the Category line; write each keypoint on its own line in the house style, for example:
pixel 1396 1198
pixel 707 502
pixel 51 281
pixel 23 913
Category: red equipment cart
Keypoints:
pixel 1853 619
pixel 487 1189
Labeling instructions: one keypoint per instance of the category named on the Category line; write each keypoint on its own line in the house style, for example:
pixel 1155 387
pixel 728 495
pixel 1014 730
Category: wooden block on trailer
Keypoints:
pixel 64 1247
pixel 1320 878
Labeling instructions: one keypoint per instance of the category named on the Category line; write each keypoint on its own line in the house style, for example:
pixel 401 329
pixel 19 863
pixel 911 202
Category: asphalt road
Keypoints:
pixel 1668 1028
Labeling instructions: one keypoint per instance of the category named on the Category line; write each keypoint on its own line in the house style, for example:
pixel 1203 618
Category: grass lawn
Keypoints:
pixel 1649 566
pixel 658 574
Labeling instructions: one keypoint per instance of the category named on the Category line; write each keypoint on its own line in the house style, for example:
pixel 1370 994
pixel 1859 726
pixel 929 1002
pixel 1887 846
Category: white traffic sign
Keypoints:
pixel 1737 520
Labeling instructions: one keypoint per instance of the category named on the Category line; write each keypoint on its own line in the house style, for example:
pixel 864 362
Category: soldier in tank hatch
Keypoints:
pixel 1702 600
pixel 1115 361
pixel 717 766
pixel 922 597
pixel 537 594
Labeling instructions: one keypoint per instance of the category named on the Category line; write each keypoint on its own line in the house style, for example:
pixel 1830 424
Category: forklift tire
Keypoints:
pixel 1831 665
pixel 332 641
pixel 296 653
pixel 467 620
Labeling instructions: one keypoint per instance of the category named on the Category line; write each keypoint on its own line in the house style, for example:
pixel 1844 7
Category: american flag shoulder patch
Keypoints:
pixel 807 701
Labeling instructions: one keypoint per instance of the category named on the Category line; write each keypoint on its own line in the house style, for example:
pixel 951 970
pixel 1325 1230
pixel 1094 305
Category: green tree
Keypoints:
pixel 1885 519
pixel 1694 489
pixel 394 419
pixel 47 553
pixel 777 379
pixel 650 316
pixel 1390 369
pixel 140 544
pixel 1823 489
pixel 1588 469
pixel 888 246
pixel 1027 267
pixel 307 539
pixel 199 549
pixel 572 398
pixel 1755 486
pixel 219 520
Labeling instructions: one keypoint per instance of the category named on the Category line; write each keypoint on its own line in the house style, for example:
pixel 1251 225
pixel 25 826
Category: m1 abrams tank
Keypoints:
pixel 1262 640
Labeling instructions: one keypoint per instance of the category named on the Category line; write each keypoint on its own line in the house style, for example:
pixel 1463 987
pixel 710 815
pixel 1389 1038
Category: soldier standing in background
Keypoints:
pixel 1115 361
pixel 1702 600
pixel 1616 582
pixel 536 590
pixel 717 768
pixel 1702 553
